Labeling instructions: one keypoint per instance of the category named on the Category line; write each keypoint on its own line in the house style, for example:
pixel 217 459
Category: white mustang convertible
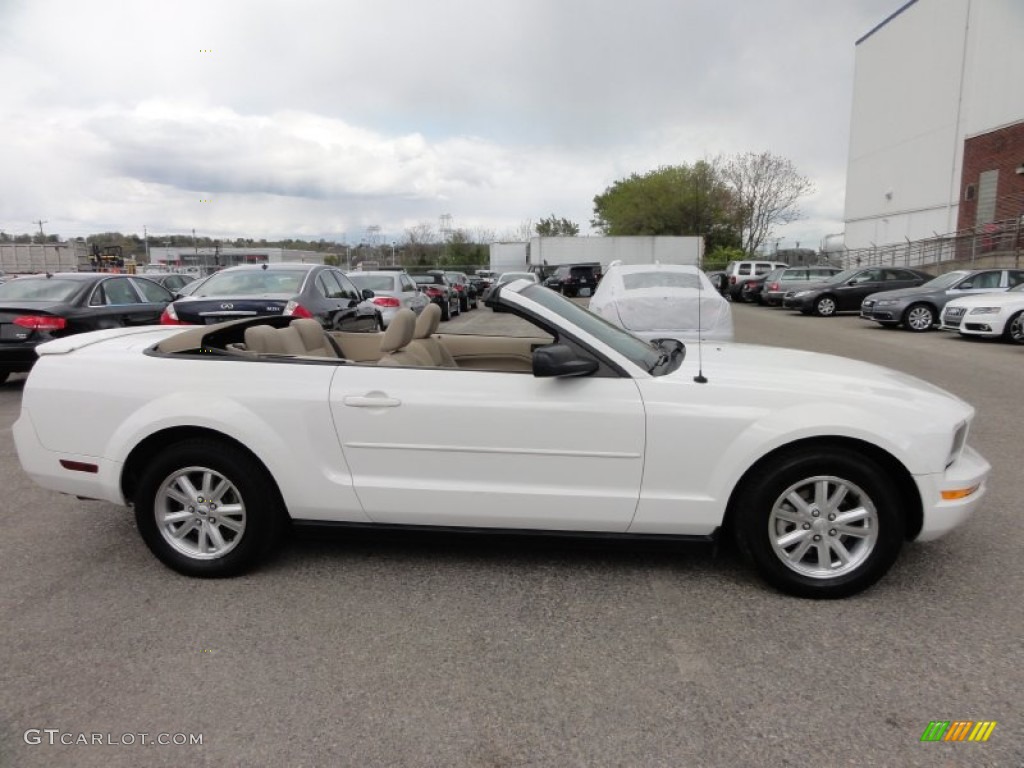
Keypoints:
pixel 219 435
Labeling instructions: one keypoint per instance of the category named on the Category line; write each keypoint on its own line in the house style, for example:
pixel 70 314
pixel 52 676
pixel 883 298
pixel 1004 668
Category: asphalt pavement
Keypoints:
pixel 415 650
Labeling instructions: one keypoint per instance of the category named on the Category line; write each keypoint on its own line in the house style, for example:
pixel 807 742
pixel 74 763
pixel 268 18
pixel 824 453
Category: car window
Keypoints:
pixel 407 284
pixel 119 291
pixel 348 288
pixel 253 282
pixel 1014 278
pixel 762 269
pixel 639 280
pixel 373 282
pixel 153 292
pixel 986 280
pixel 900 274
pixel 47 289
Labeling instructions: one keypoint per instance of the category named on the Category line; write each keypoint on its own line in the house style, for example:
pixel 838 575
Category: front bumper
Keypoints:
pixel 803 303
pixel 887 314
pixel 942 515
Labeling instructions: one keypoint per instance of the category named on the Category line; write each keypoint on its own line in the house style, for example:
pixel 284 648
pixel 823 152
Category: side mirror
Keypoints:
pixel 367 294
pixel 559 360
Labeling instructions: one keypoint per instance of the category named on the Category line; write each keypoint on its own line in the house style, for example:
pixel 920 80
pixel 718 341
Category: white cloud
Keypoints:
pixel 320 118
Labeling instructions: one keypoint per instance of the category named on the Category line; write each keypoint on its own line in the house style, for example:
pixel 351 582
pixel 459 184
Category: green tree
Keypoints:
pixel 555 227
pixel 671 200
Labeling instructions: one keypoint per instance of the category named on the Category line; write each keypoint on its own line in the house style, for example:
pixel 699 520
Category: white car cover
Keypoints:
pixel 663 301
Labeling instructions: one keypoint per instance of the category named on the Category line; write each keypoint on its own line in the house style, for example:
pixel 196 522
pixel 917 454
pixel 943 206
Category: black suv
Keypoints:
pixel 569 279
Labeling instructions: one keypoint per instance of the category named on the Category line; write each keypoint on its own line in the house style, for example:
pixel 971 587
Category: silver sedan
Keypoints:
pixel 391 292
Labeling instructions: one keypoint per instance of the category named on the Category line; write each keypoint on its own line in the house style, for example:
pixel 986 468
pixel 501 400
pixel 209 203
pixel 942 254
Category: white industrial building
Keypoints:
pixel 206 260
pixel 929 79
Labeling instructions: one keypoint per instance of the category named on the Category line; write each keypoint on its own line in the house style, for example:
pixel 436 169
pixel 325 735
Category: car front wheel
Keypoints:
pixel 207 508
pixel 1015 328
pixel 825 306
pixel 919 318
pixel 821 523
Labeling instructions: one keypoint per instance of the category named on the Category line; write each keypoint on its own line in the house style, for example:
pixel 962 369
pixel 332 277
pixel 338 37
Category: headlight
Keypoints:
pixel 886 302
pixel 959 439
pixel 798 294
pixel 984 311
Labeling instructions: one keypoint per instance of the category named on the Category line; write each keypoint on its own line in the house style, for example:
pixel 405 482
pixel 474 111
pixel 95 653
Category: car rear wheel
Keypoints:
pixel 821 523
pixel 446 311
pixel 206 508
pixel 1015 328
pixel 825 306
pixel 919 318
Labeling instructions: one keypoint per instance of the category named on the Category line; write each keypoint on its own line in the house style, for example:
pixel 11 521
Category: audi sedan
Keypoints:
pixel 991 315
pixel 918 309
pixel 820 467
pixel 845 292
pixel 37 309
pixel 295 290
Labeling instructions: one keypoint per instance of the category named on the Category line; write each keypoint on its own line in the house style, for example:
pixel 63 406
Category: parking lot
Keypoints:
pixel 391 649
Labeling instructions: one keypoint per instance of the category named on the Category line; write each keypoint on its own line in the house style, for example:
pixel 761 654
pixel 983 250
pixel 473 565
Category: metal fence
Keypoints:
pixel 1001 239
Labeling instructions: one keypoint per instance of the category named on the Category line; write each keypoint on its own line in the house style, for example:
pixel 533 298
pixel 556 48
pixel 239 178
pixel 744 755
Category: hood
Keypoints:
pixel 899 293
pixel 145 335
pixel 995 299
pixel 818 376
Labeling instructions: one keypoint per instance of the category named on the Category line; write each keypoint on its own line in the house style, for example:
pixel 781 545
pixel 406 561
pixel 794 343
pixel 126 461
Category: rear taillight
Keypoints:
pixel 773 287
pixel 432 292
pixel 732 280
pixel 170 317
pixel 41 322
pixel 294 309
pixel 386 301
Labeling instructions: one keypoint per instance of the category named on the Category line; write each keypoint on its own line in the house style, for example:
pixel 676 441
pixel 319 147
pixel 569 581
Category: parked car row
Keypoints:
pixel 974 302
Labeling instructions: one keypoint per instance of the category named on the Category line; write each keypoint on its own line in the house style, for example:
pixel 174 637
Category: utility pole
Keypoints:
pixel 42 237
pixel 145 237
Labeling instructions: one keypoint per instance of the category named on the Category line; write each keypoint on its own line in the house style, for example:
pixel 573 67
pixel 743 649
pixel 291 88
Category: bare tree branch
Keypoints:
pixel 766 189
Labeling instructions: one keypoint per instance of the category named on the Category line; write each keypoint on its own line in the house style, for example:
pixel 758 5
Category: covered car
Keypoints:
pixel 656 301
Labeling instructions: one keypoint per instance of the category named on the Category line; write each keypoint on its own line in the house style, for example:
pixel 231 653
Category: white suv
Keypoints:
pixel 738 272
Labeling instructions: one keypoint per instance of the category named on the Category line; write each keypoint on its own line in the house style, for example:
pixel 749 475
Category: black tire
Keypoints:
pixel 251 488
pixel 446 311
pixel 889 326
pixel 4 375
pixel 919 318
pixel 463 305
pixel 825 306
pixel 758 532
pixel 1014 330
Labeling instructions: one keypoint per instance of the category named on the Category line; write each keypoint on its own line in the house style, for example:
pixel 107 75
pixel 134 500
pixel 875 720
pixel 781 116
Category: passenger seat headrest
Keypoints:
pixel 428 321
pixel 400 331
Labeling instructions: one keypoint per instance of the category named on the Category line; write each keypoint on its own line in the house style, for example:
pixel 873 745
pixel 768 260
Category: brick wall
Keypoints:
pixel 1002 149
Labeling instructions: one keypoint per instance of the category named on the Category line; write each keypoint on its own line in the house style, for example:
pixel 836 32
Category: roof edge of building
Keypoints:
pixel 885 21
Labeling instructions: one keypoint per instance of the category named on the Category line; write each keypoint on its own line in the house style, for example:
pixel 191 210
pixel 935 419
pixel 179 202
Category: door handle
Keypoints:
pixel 371 401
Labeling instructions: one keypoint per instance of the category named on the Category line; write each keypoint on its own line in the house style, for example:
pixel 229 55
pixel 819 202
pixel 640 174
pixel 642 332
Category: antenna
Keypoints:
pixel 700 378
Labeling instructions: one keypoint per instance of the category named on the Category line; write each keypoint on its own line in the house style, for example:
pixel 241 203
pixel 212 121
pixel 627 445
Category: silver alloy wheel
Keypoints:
pixel 1016 328
pixel 920 318
pixel 823 527
pixel 826 306
pixel 200 513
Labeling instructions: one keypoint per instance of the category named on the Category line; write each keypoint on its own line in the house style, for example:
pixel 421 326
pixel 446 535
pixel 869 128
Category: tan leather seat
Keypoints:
pixel 423 338
pixel 395 342
pixel 315 339
pixel 303 336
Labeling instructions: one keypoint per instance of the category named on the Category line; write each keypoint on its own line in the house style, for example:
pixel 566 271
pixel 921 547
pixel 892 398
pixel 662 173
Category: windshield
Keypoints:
pixel 639 280
pixel 623 342
pixel 40 289
pixel 946 280
pixel 373 282
pixel 253 282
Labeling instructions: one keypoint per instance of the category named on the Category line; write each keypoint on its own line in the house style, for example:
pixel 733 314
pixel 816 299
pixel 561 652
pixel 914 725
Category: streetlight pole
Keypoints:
pixel 392 253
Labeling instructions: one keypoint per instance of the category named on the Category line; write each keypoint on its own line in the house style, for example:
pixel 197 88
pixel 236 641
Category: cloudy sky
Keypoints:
pixel 250 118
